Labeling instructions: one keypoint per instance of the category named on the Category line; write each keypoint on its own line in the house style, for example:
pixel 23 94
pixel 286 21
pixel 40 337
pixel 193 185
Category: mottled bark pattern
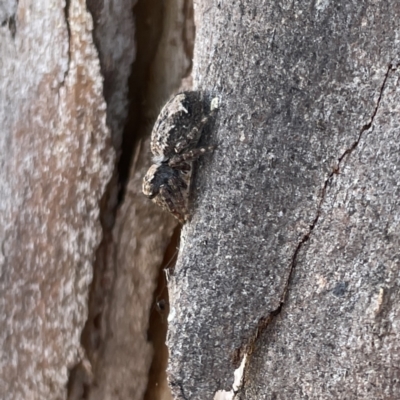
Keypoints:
pixel 291 254
pixel 56 159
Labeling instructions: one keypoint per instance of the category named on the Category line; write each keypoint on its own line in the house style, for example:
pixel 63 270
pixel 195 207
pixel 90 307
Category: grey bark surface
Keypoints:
pixel 338 332
pixel 56 159
pixel 290 263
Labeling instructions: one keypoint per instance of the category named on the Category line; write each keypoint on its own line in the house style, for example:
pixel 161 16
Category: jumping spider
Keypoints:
pixel 174 142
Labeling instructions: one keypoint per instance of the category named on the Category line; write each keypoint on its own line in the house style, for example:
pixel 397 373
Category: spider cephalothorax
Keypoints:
pixel 174 142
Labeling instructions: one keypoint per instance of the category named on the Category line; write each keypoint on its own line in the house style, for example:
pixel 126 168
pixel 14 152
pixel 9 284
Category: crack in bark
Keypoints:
pixel 180 387
pixel 263 322
pixel 12 26
pixel 66 13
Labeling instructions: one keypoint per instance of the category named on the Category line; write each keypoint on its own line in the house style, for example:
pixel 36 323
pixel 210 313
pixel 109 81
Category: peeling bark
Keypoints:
pixel 129 261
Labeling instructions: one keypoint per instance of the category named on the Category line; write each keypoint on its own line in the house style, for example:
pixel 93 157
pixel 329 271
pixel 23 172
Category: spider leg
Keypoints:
pixel 185 167
pixel 175 204
pixel 189 156
pixel 193 136
pixel 190 140
pixel 179 187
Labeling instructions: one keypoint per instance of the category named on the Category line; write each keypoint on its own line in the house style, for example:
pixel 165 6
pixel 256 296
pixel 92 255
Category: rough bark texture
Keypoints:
pixel 292 256
pixel 56 158
pixel 290 264
pixel 338 332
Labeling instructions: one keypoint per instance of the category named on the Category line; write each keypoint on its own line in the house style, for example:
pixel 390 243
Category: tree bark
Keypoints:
pixel 287 273
pixel 56 158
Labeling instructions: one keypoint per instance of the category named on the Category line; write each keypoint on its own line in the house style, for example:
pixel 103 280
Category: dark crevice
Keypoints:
pixel 365 127
pixel 79 381
pixel 264 322
pixel 149 18
pixel 66 13
pixel 158 322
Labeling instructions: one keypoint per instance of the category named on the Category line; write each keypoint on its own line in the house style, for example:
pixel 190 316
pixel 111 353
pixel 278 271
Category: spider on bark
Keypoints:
pixel 174 144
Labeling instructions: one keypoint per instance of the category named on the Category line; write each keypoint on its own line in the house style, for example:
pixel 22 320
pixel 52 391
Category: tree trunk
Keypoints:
pixel 288 271
pixel 56 159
